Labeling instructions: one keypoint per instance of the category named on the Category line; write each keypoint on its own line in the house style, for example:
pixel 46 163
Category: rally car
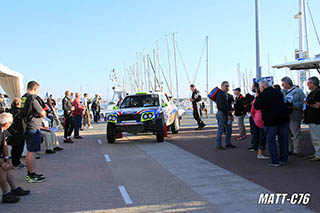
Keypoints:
pixel 142 113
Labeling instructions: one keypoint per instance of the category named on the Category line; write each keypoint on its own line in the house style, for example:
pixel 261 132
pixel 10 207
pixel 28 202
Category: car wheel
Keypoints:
pixel 159 130
pixel 111 132
pixel 175 126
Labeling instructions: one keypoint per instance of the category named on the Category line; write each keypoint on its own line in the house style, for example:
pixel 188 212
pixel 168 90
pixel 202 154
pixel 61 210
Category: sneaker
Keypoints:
pixel 298 154
pixel 35 178
pixel 315 158
pixel 81 129
pixel 252 149
pixel 311 156
pixel 68 141
pixel 48 151
pixel 220 148
pixel 283 163
pixel 10 198
pixel 90 127
pixel 230 146
pixel 20 166
pixel 77 137
pixel 38 156
pixel 273 164
pixel 263 157
pixel 58 149
pixel 202 125
pixel 20 192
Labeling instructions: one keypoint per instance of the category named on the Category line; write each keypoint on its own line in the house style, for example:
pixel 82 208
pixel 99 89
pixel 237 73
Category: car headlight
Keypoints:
pixel 109 117
pixel 147 116
pixel 112 118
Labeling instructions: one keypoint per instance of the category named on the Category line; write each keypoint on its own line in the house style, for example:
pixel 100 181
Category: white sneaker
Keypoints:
pixel 263 157
pixel 90 127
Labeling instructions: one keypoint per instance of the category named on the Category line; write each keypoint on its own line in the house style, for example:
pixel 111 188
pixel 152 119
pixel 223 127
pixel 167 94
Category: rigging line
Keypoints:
pixel 166 80
pixel 154 72
pixel 184 66
pixel 314 26
pixel 195 77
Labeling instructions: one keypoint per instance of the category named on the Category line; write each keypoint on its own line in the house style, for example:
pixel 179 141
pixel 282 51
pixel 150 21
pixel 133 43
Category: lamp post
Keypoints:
pixel 258 65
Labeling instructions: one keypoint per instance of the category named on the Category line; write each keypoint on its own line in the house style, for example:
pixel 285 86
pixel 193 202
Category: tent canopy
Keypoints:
pixel 11 82
pixel 303 64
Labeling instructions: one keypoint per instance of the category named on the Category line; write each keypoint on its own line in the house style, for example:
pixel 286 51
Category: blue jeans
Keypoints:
pixel 283 137
pixel 223 124
pixel 77 122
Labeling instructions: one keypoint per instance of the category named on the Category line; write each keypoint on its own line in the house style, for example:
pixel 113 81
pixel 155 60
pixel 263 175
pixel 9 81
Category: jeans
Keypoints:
pixel 223 124
pixel 283 137
pixel 242 127
pixel 77 121
pixel 315 138
pixel 294 142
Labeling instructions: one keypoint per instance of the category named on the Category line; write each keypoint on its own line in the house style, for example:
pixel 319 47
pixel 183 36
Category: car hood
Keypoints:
pixel 138 110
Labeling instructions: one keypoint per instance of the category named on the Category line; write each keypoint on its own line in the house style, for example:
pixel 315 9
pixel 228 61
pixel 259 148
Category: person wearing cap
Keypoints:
pixel 195 100
pixel 2 103
pixel 240 112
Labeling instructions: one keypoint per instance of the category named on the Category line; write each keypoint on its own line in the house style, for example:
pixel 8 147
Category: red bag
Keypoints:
pixel 213 94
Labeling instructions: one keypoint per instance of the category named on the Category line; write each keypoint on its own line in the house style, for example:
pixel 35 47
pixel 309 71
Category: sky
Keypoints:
pixel 75 44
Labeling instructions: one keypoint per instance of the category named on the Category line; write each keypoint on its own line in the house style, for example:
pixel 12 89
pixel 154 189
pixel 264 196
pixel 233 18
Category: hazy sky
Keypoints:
pixel 65 44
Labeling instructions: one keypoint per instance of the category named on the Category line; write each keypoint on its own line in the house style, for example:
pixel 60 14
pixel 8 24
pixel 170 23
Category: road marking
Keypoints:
pixel 125 195
pixel 107 157
pixel 99 141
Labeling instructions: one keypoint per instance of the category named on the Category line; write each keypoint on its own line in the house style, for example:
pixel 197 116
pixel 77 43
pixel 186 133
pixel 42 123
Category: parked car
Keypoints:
pixel 142 113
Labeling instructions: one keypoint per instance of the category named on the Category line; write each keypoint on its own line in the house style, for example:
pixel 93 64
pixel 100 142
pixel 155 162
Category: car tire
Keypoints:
pixel 175 126
pixel 160 130
pixel 111 133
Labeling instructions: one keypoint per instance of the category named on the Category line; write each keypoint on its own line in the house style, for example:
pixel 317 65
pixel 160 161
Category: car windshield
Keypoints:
pixel 140 101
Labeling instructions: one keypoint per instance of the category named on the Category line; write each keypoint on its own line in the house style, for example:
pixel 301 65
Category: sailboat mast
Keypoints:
pixel 159 69
pixel 169 64
pixel 154 74
pixel 175 67
pixel 258 65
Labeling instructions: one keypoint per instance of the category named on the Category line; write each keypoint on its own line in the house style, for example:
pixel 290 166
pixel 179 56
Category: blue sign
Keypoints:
pixel 269 79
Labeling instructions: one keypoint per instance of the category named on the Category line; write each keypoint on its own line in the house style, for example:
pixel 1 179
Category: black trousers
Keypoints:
pixel 196 115
pixel 258 137
pixel 68 126
pixel 96 116
pixel 17 150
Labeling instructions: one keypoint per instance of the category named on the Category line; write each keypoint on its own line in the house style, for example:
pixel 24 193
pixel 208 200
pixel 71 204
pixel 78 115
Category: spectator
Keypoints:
pixel 195 100
pixel 277 87
pixel 240 112
pixel 96 107
pixel 203 109
pixel 2 104
pixel 119 102
pixel 86 115
pixel 312 116
pixel 68 119
pixel 294 98
pixel 258 135
pixel 51 102
pixel 276 119
pixel 17 139
pixel 224 116
pixel 77 115
pixel 32 106
pixel 71 97
pixel 6 176
pixel 50 138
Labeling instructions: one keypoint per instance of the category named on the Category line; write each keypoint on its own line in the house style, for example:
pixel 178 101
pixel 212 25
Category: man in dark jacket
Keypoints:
pixel 195 100
pixel 240 112
pixel 275 115
pixel 224 116
pixel 68 120
pixel 16 140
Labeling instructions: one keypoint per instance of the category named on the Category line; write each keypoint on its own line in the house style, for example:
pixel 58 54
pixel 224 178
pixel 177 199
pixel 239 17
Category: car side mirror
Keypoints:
pixel 164 105
pixel 115 108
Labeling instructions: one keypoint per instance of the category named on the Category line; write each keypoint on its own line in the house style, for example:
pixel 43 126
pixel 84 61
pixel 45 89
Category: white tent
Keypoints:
pixel 11 82
pixel 303 64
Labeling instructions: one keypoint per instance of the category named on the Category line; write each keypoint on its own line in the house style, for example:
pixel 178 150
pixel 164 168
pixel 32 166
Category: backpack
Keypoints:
pixel 213 94
pixel 27 111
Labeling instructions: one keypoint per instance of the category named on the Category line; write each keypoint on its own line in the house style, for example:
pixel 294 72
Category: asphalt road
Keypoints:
pixel 184 174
